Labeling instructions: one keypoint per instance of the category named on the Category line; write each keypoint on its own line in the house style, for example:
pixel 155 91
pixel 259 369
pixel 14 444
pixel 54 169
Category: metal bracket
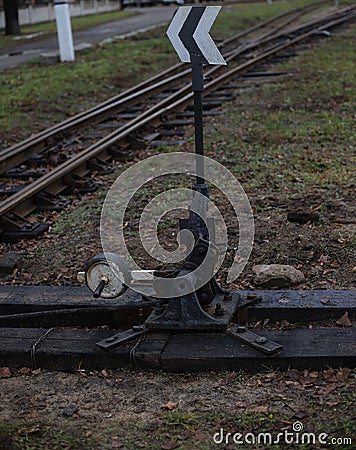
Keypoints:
pixel 16 228
pixel 185 313
pixel 10 189
pixel 22 172
pixel 76 182
pixel 253 340
pixel 121 153
pixel 246 302
pixel 98 165
pixel 120 338
pixel 49 202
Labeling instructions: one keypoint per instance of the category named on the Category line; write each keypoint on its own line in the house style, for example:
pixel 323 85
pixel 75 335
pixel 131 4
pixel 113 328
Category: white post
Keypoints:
pixel 30 14
pixel 64 30
pixel 269 2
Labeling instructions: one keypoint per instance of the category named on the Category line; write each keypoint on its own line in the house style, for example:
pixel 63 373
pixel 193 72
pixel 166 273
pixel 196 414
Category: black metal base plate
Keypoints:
pixel 221 313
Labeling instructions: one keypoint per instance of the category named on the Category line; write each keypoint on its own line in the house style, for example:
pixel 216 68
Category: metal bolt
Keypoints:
pixel 110 339
pixel 140 316
pixel 81 277
pixel 227 297
pixel 240 329
pixel 219 311
pixel 201 250
pixel 159 310
pixel 261 340
pixel 160 307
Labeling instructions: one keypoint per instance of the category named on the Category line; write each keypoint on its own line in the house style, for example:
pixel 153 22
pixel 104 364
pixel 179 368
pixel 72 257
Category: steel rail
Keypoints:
pixel 18 153
pixel 187 88
pixel 14 202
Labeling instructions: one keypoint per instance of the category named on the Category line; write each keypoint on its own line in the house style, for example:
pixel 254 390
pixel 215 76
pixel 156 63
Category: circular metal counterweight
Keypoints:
pixel 106 275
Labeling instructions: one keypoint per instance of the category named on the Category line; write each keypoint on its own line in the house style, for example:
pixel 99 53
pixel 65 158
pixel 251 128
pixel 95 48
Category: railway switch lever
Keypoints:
pixel 189 297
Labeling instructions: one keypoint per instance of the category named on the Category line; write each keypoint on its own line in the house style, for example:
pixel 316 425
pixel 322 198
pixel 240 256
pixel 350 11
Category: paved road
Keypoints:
pixel 146 17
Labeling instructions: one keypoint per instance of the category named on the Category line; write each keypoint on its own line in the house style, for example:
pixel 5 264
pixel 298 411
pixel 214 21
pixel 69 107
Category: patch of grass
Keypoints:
pixel 35 96
pixel 79 219
pixel 301 129
pixel 35 436
pixel 181 429
pixel 194 427
pixel 241 16
pixel 50 28
pixel 39 95
pixel 179 418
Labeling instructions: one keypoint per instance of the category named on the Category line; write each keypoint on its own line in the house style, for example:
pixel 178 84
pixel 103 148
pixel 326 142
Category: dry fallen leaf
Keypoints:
pixel 24 371
pixel 270 376
pixel 240 404
pixel 314 374
pixel 306 381
pixel 328 373
pixel 261 408
pixel 34 429
pixel 300 415
pixel 344 320
pixel 331 404
pixel 199 437
pixel 293 374
pixel 5 372
pixel 170 406
pixel 170 445
pixel 229 378
pixel 326 390
pixel 345 372
pixel 183 437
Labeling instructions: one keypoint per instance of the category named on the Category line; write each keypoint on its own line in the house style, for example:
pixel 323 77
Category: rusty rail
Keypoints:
pixel 18 153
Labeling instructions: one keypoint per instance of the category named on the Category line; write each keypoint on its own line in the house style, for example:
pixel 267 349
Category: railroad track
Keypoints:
pixel 138 110
pixel 16 154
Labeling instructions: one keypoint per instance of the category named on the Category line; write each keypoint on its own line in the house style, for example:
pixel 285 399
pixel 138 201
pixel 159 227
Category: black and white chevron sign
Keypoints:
pixel 189 34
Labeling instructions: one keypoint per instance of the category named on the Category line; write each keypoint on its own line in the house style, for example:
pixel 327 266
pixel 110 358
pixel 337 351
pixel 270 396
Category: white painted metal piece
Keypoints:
pixel 203 39
pixel 200 35
pixel 174 29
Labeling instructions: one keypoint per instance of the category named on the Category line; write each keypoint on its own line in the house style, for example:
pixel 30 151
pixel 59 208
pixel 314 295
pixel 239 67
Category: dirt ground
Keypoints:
pixel 164 411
